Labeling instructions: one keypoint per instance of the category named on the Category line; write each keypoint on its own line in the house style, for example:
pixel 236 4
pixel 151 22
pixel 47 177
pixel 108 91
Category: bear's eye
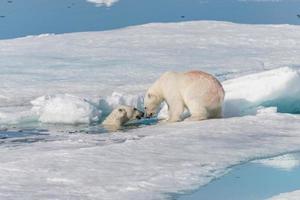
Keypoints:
pixel 149 95
pixel 145 108
pixel 134 109
pixel 120 110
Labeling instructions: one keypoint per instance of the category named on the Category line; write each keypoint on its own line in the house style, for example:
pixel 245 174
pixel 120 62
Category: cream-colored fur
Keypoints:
pixel 120 115
pixel 199 92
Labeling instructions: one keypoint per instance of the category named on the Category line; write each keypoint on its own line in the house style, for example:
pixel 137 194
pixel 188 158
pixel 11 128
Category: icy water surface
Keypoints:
pixel 20 18
pixel 252 181
pixel 37 132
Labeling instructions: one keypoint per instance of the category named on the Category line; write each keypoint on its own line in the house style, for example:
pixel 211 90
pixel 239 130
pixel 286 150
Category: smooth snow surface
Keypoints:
pixel 145 163
pixel 79 78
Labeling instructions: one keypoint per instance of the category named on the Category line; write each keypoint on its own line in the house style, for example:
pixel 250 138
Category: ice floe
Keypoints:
pixel 77 78
pixel 295 195
pixel 146 163
pixel 95 64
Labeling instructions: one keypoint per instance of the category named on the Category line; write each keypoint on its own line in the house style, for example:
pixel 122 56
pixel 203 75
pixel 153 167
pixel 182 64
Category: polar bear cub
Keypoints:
pixel 120 115
pixel 199 92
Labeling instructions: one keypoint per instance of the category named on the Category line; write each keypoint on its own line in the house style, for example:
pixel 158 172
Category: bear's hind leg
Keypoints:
pixel 197 117
pixel 216 113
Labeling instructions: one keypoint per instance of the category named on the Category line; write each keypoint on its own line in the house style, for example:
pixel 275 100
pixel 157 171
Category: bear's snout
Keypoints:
pixel 141 114
pixel 149 115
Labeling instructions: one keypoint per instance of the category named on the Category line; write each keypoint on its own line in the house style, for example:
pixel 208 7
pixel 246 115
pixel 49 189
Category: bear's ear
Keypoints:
pixel 149 95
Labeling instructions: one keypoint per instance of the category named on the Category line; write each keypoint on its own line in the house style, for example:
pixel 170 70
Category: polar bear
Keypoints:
pixel 120 115
pixel 201 93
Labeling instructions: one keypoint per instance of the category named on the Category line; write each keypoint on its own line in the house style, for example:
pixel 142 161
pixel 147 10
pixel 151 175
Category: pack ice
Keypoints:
pixel 78 78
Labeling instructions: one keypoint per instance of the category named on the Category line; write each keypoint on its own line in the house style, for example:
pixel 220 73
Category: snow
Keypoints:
pixel 107 104
pixel 145 163
pixel 66 109
pixel 128 60
pixel 287 196
pixel 94 65
pixel 278 88
pixel 80 77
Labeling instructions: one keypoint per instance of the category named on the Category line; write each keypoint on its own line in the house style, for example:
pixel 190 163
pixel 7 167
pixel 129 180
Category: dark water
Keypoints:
pixel 30 17
pixel 37 132
pixel 252 181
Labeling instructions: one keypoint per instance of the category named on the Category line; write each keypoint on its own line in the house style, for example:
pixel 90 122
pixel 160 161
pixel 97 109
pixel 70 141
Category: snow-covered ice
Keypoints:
pixel 278 87
pixel 78 78
pixel 65 109
pixel 145 163
pixel 128 60
pixel 287 196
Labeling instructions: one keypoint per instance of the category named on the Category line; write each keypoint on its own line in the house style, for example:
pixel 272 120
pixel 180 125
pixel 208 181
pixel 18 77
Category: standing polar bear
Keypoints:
pixel 120 115
pixel 199 92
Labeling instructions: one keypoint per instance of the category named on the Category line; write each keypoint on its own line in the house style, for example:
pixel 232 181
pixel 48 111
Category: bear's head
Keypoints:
pixel 120 116
pixel 123 114
pixel 132 113
pixel 151 104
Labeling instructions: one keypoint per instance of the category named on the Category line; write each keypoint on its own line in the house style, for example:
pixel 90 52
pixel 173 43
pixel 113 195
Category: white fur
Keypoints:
pixel 199 92
pixel 120 115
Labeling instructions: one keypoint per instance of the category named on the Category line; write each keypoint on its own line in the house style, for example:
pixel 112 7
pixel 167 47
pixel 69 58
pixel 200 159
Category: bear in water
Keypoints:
pixel 120 115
